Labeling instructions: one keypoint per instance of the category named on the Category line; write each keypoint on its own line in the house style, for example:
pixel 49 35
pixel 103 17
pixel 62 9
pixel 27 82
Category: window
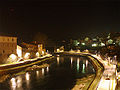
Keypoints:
pixel 8 45
pixel 12 39
pixel 3 51
pixel 3 39
pixel 12 51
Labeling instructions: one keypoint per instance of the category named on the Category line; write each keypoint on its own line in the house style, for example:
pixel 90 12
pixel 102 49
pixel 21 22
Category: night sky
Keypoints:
pixel 59 19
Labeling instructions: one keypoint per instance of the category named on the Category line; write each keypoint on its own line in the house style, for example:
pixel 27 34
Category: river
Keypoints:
pixel 62 73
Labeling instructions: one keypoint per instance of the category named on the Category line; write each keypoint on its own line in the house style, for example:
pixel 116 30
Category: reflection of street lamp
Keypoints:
pixel 115 57
pixel 13 83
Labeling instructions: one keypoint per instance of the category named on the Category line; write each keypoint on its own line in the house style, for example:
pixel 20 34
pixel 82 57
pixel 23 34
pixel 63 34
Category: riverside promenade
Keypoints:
pixel 108 80
pixel 16 66
pixel 105 80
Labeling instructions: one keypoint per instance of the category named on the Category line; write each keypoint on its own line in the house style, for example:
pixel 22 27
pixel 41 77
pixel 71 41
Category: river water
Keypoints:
pixel 61 74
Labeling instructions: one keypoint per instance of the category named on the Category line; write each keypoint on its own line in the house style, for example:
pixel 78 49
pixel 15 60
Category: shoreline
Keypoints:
pixel 98 66
pixel 10 68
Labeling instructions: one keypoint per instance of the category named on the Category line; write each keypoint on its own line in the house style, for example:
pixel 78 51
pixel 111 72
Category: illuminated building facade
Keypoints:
pixel 32 49
pixel 8 45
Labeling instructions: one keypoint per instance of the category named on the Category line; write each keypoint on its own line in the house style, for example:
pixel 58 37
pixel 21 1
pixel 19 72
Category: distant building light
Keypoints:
pixel 78 51
pixel 58 50
pixel 37 54
pixel 94 39
pixel 76 42
pixel 102 44
pixel 86 50
pixel 110 41
pixel 83 44
pixel 86 39
pixel 94 45
pixel 108 37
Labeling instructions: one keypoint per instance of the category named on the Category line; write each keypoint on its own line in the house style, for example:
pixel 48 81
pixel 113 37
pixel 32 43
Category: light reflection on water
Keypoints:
pixel 78 60
pixel 47 69
pixel 58 60
pixel 76 64
pixel 19 82
pixel 71 61
pixel 37 74
pixel 13 84
pixel 43 71
pixel 16 83
pixel 27 76
pixel 86 63
pixel 83 69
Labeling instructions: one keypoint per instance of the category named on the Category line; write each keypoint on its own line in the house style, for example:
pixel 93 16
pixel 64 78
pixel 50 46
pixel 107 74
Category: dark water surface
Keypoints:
pixel 60 75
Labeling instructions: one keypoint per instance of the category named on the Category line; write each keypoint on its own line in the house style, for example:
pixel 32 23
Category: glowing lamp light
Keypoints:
pixel 13 56
pixel 110 41
pixel 37 54
pixel 83 44
pixel 86 50
pixel 27 55
pixel 94 45
pixel 71 51
pixel 86 39
pixel 102 44
pixel 78 51
pixel 43 52
pixel 58 50
pixel 94 39
pixel 47 51
pixel 19 51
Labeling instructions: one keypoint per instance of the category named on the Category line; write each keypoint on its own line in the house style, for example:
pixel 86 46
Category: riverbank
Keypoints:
pixel 96 64
pixel 13 67
pixel 28 69
pixel 84 82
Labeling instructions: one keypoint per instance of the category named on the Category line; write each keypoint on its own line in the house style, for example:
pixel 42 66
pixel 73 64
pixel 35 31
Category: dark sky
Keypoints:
pixel 59 19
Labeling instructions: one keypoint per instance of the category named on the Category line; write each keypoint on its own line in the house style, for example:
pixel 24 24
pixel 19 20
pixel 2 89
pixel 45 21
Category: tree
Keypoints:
pixel 40 38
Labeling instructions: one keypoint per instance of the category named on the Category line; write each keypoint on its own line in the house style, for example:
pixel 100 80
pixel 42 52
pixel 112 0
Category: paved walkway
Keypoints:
pixel 108 80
